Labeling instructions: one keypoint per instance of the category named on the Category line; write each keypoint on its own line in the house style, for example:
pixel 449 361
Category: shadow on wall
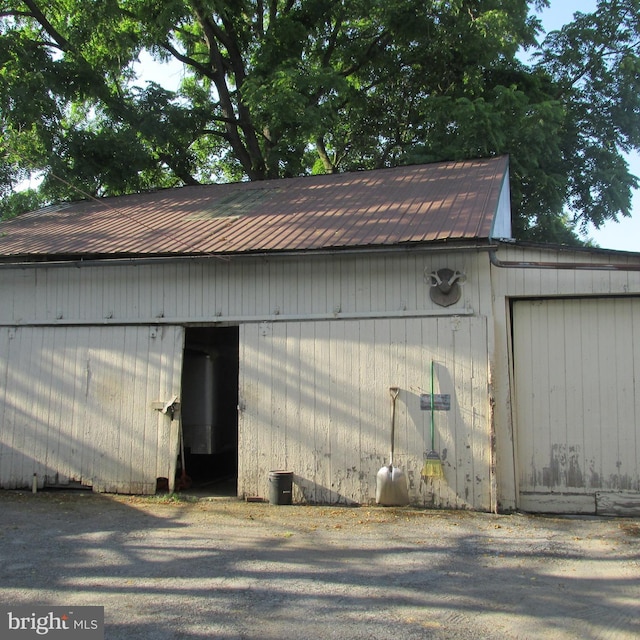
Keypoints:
pixel 314 398
pixel 305 490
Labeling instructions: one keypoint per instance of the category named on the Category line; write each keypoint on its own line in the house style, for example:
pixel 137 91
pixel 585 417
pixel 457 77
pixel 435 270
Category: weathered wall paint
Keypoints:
pixel 336 298
pixel 507 285
pixel 318 309
pixel 577 395
pixel 75 406
pixel 237 290
pixel 314 399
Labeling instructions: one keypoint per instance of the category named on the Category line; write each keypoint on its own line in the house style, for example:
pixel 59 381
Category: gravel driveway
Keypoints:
pixel 230 569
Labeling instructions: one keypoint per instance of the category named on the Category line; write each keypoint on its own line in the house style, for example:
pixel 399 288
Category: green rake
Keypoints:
pixel 432 467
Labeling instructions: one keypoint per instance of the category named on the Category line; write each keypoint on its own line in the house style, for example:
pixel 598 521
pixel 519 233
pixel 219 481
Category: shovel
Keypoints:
pixel 391 483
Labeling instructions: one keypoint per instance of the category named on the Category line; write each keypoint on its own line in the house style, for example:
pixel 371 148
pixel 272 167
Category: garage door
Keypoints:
pixel 577 405
pixel 77 406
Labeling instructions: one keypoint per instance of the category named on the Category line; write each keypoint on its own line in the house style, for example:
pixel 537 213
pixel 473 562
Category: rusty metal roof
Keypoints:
pixel 445 201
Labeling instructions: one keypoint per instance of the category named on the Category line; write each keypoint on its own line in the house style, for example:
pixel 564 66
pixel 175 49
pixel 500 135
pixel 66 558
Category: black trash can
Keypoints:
pixel 280 487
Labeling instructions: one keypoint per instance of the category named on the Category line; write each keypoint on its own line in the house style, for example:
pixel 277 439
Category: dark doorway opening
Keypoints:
pixel 209 404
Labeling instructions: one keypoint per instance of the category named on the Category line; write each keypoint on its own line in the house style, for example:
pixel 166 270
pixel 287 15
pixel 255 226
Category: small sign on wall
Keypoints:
pixel 441 402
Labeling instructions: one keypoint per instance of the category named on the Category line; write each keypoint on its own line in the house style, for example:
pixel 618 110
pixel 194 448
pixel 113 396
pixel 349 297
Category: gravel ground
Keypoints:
pixel 167 569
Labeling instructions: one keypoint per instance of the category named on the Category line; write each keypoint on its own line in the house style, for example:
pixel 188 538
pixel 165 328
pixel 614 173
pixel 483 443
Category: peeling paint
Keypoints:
pixel 564 470
pixel 88 378
pixel 621 482
pixel 564 467
pixel 576 435
pixel 594 476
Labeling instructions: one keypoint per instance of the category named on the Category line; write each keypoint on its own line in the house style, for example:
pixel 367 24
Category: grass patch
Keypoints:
pixel 170 498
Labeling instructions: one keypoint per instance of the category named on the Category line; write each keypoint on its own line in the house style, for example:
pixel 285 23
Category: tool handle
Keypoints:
pixel 433 434
pixel 393 429
pixel 394 391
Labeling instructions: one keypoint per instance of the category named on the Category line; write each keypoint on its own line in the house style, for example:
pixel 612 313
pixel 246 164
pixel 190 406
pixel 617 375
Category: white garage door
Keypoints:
pixel 577 384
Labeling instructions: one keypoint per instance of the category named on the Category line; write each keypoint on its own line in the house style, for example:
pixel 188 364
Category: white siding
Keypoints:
pixel 322 338
pixel 314 399
pixel 233 291
pixel 502 222
pixel 528 282
pixel 577 400
pixel 76 402
pixel 319 321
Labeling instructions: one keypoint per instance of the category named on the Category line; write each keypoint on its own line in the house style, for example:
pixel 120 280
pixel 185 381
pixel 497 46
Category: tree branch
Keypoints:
pixel 324 156
pixel 333 39
pixel 248 154
pixel 380 42
pixel 184 175
pixel 190 62
pixel 37 14
pixel 213 132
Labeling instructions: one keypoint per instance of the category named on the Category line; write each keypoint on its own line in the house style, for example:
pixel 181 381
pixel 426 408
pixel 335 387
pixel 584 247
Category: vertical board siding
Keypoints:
pixel 577 397
pixel 238 289
pixel 515 283
pixel 314 399
pixel 76 406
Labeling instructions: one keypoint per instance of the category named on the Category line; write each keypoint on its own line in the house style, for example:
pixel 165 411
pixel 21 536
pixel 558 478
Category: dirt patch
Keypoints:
pixel 229 569
pixel 631 528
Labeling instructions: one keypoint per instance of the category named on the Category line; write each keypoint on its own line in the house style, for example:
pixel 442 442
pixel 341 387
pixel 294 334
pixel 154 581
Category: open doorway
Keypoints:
pixel 209 409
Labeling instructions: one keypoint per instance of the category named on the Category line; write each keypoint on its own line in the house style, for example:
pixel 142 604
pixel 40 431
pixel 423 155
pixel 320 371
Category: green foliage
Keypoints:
pixel 19 202
pixel 283 88
pixel 594 63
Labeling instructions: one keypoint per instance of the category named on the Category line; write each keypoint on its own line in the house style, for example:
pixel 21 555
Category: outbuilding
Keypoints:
pixel 266 322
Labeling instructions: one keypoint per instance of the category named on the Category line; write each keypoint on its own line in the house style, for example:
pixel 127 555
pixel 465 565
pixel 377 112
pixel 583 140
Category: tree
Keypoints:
pixel 277 88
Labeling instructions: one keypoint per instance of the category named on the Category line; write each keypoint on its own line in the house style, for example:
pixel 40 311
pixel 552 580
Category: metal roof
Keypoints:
pixel 445 201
